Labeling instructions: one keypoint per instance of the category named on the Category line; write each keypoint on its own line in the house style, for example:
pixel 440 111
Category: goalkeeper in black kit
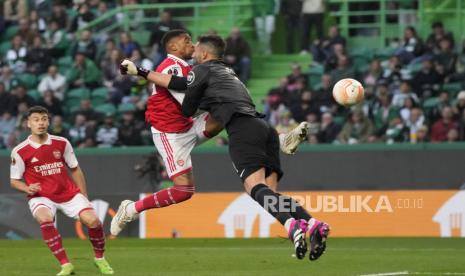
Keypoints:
pixel 253 143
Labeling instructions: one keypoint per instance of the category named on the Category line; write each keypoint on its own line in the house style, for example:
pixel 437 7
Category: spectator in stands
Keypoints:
pixel 166 24
pixel 52 104
pixel 104 53
pixel 21 96
pixel 7 78
pixel 302 108
pixel 296 74
pixel 396 131
pixel 15 57
pixel 446 57
pixel 328 129
pixel 323 48
pixel 295 90
pixel 237 54
pixel 312 16
pixel 434 112
pixel 140 60
pixel 7 101
pixel 38 58
pixel 118 85
pixel 441 127
pixel 313 123
pixel 22 108
pixel 438 33
pixel 462 126
pixel 38 23
pixel 452 135
pixel 285 122
pixel 55 39
pixel 13 10
pixel 405 91
pixel 356 130
pixel 85 45
pixel 7 126
pixel 323 96
pixel 343 69
pixel 421 136
pixel 372 76
pixel 83 73
pixel 291 10
pixel 459 106
pixel 129 131
pixel 383 113
pixel 107 134
pixel 426 82
pixel 264 15
pixel 414 124
pixel 404 112
pixel 392 73
pixel 57 127
pixel 86 109
pixel 26 32
pixel 126 44
pixel 102 9
pixel 84 17
pixel 22 131
pixel 59 16
pixel 80 131
pixel 54 82
pixel 411 46
pixel 134 16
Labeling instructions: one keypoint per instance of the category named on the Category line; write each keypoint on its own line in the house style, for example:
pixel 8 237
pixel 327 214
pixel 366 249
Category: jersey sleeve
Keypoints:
pixel 70 157
pixel 17 166
pixel 197 81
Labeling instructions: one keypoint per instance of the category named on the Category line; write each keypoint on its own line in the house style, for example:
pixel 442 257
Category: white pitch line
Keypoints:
pixel 387 273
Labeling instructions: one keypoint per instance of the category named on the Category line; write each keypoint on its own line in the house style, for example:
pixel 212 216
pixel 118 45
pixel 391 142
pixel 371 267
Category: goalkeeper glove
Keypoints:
pixel 128 67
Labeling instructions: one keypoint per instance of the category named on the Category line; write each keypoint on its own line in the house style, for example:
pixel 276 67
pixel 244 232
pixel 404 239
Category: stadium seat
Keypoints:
pixel 4 47
pixel 126 107
pixel 141 37
pixel 431 103
pixel 78 93
pixel 106 109
pixel 99 96
pixel 64 63
pixel 10 32
pixel 34 93
pixel 452 88
pixel 28 80
pixel 384 53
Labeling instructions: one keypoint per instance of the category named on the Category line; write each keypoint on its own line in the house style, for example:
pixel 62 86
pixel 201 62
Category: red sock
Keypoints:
pixel 97 238
pixel 53 240
pixel 165 197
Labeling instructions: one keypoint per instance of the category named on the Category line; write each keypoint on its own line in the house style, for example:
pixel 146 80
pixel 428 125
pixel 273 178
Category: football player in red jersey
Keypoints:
pixel 175 135
pixel 39 168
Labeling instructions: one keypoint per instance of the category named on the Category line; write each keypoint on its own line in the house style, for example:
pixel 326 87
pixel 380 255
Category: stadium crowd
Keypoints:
pixel 413 93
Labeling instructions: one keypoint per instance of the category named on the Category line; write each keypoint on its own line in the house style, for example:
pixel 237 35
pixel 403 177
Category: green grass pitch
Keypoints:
pixel 344 256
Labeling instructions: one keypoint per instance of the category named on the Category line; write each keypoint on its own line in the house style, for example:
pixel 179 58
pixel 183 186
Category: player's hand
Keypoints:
pixel 128 67
pixel 33 189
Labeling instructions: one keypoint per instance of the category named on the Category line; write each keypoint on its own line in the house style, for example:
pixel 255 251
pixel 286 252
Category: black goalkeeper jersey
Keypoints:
pixel 214 87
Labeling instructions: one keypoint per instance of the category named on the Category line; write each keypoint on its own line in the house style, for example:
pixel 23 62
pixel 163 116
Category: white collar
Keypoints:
pixel 37 145
pixel 180 60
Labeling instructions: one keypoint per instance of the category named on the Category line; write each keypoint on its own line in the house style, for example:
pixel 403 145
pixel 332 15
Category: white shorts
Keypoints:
pixel 71 208
pixel 175 148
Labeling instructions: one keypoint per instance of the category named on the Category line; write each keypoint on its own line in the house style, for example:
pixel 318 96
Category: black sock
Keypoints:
pixel 297 211
pixel 270 201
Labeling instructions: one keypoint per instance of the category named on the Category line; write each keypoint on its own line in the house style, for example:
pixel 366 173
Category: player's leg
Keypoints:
pixel 43 210
pixel 175 151
pixel 80 208
pixel 212 127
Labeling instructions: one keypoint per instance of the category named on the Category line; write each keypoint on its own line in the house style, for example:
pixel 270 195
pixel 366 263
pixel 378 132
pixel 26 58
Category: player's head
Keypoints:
pixel 208 47
pixel 38 120
pixel 178 43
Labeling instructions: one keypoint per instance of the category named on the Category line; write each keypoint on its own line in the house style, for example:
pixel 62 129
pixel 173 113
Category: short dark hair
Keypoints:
pixel 170 35
pixel 37 109
pixel 437 24
pixel 215 42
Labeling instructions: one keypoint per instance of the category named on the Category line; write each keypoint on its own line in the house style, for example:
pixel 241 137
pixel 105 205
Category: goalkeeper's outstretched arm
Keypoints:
pixel 127 67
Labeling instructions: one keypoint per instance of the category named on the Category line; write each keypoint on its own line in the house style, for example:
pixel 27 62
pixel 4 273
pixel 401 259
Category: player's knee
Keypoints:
pixel 91 221
pixel 182 193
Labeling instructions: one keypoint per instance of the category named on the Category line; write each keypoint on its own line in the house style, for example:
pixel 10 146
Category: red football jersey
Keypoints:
pixel 164 105
pixel 46 164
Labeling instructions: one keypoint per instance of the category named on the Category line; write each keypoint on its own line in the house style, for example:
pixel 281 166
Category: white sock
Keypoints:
pixel 98 259
pixel 311 222
pixel 287 224
pixel 131 209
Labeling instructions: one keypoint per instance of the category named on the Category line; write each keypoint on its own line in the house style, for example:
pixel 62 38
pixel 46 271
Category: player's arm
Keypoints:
pixel 169 81
pixel 196 85
pixel 76 173
pixel 16 174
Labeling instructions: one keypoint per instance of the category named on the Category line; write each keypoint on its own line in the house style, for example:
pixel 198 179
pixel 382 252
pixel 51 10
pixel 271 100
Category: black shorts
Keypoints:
pixel 253 144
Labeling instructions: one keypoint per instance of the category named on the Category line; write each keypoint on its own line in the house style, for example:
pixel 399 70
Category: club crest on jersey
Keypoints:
pixel 57 154
pixel 180 162
pixel 190 78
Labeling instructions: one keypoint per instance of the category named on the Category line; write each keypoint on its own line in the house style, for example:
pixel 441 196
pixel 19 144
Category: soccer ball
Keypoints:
pixel 348 92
